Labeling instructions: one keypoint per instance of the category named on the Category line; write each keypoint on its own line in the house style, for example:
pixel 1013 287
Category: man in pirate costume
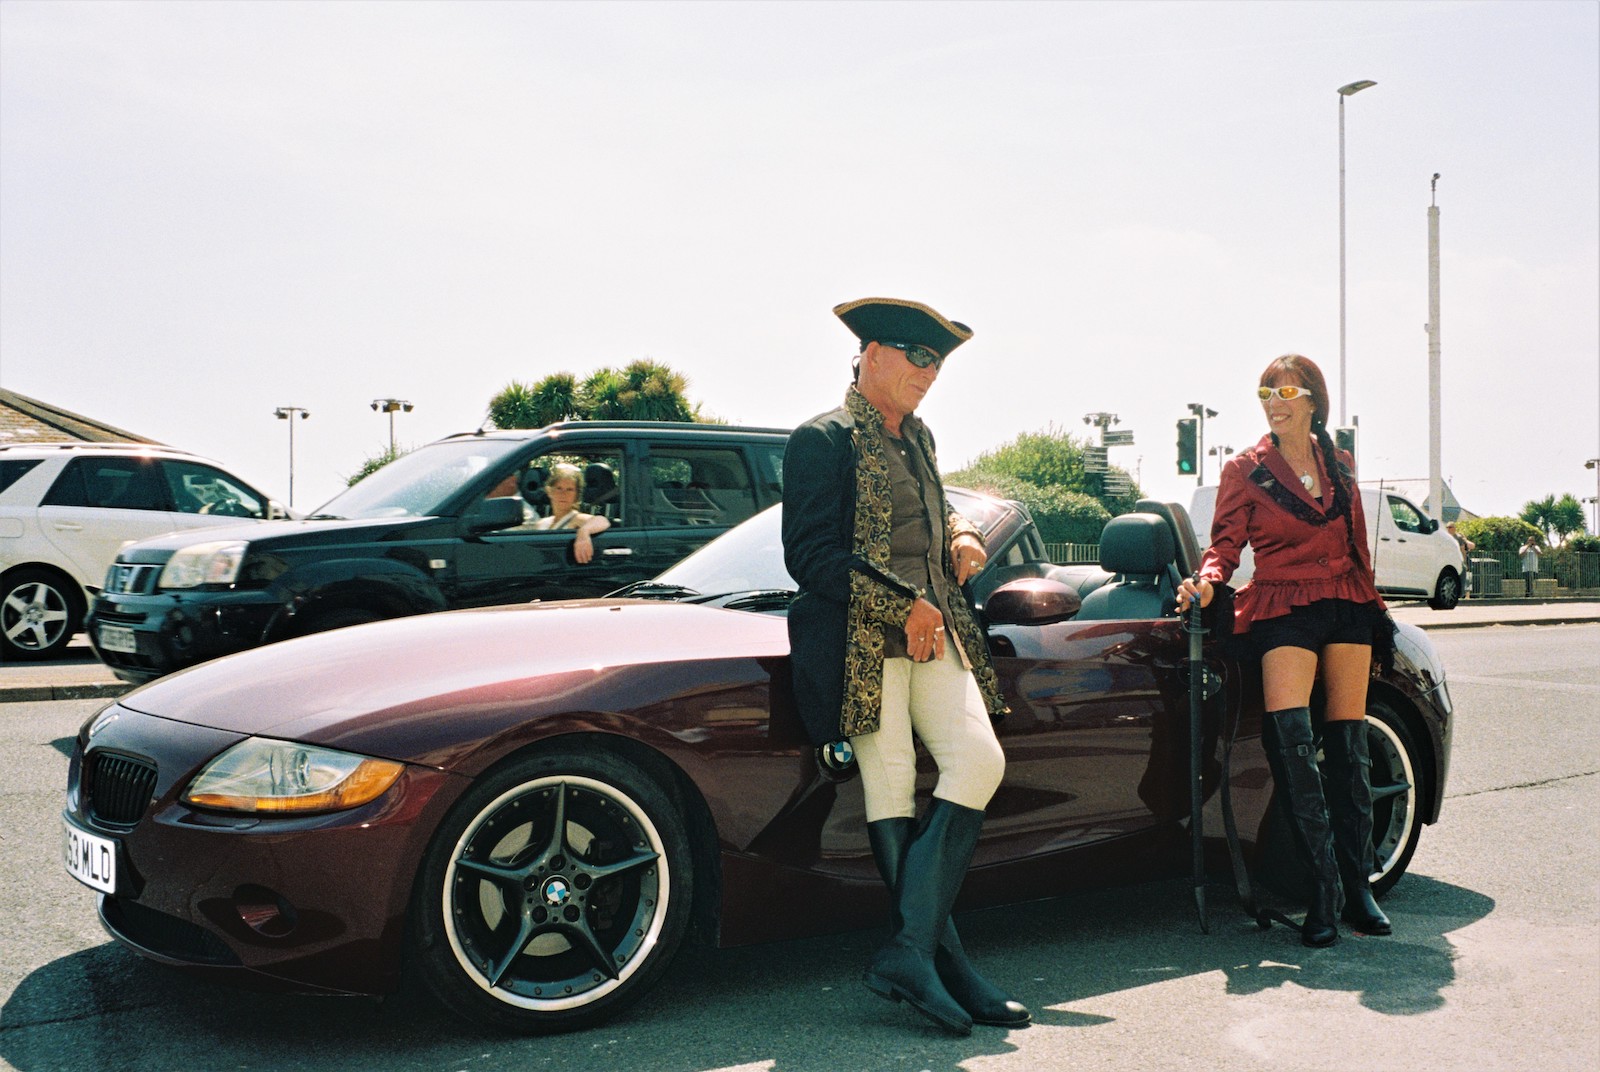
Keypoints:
pixel 885 647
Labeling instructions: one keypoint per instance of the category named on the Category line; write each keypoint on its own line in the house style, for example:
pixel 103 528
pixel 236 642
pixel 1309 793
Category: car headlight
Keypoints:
pixel 282 777
pixel 204 563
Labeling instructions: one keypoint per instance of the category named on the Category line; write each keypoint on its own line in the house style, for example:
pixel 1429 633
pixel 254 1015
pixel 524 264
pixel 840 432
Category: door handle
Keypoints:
pixel 68 526
pixel 616 551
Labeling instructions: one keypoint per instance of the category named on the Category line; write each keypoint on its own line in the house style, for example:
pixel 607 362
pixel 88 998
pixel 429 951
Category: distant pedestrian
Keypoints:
pixel 1467 547
pixel 1530 564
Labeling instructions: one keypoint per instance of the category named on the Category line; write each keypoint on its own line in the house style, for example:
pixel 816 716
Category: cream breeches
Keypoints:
pixel 939 702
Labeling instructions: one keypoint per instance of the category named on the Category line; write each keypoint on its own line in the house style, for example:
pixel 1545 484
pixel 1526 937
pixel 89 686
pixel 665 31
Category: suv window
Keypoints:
pixel 602 477
pixel 700 486
pixel 11 471
pixel 109 484
pixel 1406 517
pixel 202 489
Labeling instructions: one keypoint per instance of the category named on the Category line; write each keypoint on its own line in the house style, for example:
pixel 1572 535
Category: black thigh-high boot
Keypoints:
pixel 1348 766
pixel 983 1001
pixel 930 876
pixel 1293 756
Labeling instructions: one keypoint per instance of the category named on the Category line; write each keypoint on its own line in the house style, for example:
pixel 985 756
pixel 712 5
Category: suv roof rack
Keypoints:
pixel 125 446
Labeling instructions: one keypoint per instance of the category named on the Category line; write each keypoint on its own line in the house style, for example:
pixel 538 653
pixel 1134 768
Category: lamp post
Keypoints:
pixel 1594 463
pixel 391 406
pixel 1344 91
pixel 286 413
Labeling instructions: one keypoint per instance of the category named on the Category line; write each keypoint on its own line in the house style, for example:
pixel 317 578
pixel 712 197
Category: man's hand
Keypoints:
pixel 967 552
pixel 924 632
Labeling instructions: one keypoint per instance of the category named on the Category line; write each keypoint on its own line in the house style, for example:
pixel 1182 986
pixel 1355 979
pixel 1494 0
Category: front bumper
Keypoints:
pixel 172 632
pixel 313 903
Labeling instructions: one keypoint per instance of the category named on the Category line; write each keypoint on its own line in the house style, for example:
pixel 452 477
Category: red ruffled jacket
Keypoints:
pixel 1304 550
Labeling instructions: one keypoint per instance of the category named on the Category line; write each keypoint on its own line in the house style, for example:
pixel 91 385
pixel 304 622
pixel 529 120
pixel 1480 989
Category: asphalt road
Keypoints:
pixel 1495 964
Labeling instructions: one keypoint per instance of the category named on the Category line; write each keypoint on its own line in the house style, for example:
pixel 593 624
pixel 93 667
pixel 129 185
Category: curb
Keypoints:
pixel 1458 624
pixel 42 693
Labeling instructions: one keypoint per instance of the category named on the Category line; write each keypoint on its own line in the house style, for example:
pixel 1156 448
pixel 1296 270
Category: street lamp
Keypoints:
pixel 1594 463
pixel 1344 91
pixel 391 406
pixel 286 413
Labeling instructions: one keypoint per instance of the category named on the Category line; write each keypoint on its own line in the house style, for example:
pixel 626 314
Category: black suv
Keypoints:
pixel 452 524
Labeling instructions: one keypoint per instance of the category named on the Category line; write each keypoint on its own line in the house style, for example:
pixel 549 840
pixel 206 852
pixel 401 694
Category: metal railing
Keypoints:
pixel 1072 554
pixel 1561 573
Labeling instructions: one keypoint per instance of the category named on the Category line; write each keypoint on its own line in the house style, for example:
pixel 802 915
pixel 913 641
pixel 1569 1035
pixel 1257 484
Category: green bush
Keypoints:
pixel 1498 535
pixel 1062 515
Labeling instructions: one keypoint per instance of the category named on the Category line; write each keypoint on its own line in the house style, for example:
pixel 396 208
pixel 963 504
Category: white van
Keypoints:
pixel 1412 557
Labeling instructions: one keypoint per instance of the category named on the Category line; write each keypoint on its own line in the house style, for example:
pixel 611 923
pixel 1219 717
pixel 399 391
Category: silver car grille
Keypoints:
pixel 126 578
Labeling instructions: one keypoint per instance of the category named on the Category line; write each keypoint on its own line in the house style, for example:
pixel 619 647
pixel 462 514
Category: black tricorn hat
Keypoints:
pixel 894 320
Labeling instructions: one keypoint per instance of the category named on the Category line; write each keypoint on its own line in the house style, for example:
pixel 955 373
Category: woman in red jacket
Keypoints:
pixel 1293 498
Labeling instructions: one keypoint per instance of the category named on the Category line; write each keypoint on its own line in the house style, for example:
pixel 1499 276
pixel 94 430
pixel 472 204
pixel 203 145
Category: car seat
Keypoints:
pixel 600 492
pixel 1140 553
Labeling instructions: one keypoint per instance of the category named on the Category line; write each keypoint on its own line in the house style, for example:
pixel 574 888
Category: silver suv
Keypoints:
pixel 66 509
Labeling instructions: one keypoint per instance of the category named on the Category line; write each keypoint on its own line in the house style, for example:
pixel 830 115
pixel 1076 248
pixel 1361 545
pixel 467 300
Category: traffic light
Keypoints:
pixel 1188 446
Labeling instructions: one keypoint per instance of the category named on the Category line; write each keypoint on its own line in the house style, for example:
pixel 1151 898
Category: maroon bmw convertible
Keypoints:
pixel 529 808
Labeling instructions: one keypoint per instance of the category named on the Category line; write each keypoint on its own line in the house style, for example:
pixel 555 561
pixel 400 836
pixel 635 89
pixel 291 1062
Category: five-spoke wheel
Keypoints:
pixel 37 615
pixel 556 891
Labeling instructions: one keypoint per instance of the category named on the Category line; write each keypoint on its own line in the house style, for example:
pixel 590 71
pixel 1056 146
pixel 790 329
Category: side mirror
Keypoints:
pixel 275 510
pixel 1031 601
pixel 491 515
pixel 1432 524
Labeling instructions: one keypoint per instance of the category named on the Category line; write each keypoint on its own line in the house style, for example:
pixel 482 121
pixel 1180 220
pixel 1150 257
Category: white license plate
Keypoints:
pixel 90 859
pixel 118 638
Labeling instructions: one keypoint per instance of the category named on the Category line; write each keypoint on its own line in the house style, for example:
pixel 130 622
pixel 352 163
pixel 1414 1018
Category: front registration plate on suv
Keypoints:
pixel 118 638
pixel 90 859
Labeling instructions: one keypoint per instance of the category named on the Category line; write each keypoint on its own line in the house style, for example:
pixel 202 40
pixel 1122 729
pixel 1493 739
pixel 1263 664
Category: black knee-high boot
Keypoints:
pixel 1292 752
pixel 983 1001
pixel 930 876
pixel 1348 767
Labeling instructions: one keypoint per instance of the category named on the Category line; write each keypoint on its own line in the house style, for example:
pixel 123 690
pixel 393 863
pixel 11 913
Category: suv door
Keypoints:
pixel 694 493
pixel 99 503
pixel 531 561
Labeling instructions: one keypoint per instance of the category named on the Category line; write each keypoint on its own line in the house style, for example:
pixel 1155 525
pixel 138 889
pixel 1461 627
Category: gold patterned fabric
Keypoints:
pixel 877 599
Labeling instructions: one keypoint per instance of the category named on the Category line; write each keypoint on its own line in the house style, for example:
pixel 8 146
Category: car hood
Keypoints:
pixel 327 687
pixel 279 534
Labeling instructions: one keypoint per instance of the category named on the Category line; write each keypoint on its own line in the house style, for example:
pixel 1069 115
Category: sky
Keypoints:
pixel 209 211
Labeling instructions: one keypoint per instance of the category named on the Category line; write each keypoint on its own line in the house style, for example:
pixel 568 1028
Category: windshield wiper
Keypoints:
pixel 655 590
pixel 752 599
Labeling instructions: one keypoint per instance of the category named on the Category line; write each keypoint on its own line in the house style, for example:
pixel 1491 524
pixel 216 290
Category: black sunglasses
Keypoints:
pixel 919 356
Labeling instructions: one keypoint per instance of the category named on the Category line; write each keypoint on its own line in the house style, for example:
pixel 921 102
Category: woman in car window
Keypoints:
pixel 564 486
pixel 1293 498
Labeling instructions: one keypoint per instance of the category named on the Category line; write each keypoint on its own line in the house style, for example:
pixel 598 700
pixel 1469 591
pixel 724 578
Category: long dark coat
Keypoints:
pixel 837 518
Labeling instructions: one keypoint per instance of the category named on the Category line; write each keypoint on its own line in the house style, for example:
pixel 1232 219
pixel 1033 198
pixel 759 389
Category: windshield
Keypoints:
pixel 750 557
pixel 420 483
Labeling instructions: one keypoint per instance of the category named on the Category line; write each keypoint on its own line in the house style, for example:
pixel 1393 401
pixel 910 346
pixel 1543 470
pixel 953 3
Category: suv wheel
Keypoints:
pixel 38 615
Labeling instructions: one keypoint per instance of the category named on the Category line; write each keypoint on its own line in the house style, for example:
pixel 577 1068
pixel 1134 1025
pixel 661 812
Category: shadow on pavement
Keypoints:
pixel 792 1006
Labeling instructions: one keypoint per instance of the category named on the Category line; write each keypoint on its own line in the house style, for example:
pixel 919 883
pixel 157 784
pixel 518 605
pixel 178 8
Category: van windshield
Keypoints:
pixel 420 483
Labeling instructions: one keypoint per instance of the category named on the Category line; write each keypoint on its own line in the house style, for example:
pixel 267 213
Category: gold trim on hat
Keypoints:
pixel 959 331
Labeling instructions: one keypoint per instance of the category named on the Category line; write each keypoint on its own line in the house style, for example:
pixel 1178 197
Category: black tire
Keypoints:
pixel 1396 795
pixel 1396 807
pixel 1447 592
pixel 597 908
pixel 39 614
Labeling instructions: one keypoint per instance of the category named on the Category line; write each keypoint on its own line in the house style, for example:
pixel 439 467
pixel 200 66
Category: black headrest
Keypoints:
pixel 599 483
pixel 531 485
pixel 1137 543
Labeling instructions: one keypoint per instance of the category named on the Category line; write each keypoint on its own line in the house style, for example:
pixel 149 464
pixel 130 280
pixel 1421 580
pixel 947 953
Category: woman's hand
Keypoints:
pixel 582 547
pixel 924 632
pixel 1189 589
pixel 967 552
